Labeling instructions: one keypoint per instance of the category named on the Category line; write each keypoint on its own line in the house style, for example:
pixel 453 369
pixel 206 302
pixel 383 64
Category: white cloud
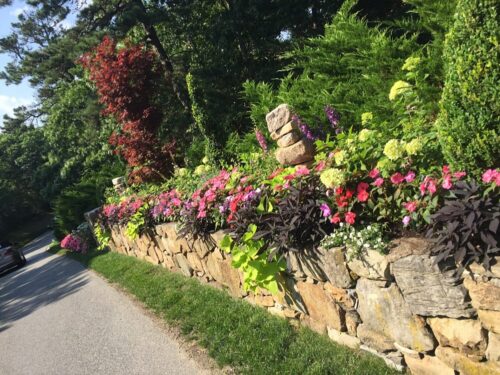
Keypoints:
pixel 8 103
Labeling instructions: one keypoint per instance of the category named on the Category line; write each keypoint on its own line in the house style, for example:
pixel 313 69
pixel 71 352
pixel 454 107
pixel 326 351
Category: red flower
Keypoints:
pixel 397 178
pixel 362 186
pixel 349 194
pixel 374 173
pixel 363 196
pixel 350 217
pixel 335 219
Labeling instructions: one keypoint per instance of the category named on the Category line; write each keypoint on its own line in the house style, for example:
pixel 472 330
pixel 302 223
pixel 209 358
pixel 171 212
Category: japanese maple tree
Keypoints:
pixel 127 81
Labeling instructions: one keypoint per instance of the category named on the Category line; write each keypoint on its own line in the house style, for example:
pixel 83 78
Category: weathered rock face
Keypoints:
pixel 298 153
pixel 460 362
pixel 286 129
pixel 320 306
pixel 466 335
pixel 428 366
pixel 494 271
pixel 430 291
pixel 371 265
pixel 490 320
pixel 289 139
pixel 403 247
pixel 278 117
pixel 384 312
pixel 484 295
pixel 493 351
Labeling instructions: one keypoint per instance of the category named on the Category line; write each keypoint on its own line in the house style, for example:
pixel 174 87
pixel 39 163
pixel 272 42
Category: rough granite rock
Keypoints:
pixel 300 152
pixel 278 117
pixel 430 291
pixel 428 365
pixel 371 265
pixel 484 295
pixel 490 319
pixel 183 265
pixel 460 362
pixel 286 129
pixel 320 306
pixel 466 335
pixel 289 139
pixel 384 311
pixel 493 351
pixel 403 247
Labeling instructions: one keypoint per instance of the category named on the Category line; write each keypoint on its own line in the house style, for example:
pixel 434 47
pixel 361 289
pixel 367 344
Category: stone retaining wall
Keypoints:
pixel 400 306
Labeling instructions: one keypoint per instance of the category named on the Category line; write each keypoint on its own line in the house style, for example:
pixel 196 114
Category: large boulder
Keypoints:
pixel 429 290
pixel 385 313
pixel 279 117
pixel 298 153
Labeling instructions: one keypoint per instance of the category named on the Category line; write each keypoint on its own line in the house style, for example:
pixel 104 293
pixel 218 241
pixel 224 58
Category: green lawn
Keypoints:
pixel 235 333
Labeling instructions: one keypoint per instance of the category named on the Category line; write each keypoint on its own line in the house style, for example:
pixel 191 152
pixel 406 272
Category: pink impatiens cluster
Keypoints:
pixel 74 243
pixel 491 176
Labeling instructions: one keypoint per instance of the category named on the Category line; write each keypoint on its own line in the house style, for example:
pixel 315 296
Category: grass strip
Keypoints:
pixel 240 335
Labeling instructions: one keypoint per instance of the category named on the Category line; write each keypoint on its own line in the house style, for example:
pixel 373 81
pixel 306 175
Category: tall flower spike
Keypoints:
pixel 261 139
pixel 334 118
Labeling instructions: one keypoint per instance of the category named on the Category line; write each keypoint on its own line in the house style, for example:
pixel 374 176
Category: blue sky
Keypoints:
pixel 12 96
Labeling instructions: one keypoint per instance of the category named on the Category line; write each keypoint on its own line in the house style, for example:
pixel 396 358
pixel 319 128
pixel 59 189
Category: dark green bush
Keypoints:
pixel 469 121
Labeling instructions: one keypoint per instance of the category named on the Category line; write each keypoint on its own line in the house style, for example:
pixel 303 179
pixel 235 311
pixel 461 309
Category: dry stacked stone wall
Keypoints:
pixel 399 306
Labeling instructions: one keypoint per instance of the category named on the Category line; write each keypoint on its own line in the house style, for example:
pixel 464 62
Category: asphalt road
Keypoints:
pixel 58 318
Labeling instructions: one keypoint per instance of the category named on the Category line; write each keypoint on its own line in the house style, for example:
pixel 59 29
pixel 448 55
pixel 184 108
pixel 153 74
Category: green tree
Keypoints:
pixel 469 122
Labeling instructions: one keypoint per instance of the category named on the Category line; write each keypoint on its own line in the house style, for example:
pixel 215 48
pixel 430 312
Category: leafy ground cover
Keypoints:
pixel 235 333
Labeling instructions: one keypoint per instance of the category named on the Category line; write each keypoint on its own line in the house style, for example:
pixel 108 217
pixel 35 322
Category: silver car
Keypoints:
pixel 10 257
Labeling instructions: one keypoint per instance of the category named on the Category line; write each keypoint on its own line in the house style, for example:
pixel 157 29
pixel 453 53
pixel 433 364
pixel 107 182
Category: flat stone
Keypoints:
pixel 460 362
pixel 300 152
pixel 213 268
pixel 169 263
pixel 374 338
pixel 490 319
pixel 428 365
pixel 195 261
pixel 286 129
pixel 266 301
pixel 279 117
pixel 393 360
pixel 152 254
pixel 372 265
pixel 484 295
pixel 320 306
pixel 466 335
pixel 429 290
pixel 493 350
pixel 183 265
pixel 341 296
pixel 149 259
pixel 291 296
pixel 333 264
pixel 344 339
pixel 289 139
pixel 230 277
pixel 383 310
pixel 494 270
pixel 405 246
pixel 294 267
pixel 406 351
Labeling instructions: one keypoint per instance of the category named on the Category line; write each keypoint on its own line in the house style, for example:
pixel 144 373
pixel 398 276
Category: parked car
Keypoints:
pixel 10 257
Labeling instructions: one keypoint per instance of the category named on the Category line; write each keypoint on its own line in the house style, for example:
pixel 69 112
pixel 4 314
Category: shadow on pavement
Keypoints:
pixel 44 279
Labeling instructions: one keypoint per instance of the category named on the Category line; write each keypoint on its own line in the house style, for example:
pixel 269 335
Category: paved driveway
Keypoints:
pixel 58 318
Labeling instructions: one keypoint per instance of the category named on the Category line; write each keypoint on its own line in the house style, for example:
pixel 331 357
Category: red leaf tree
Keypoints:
pixel 127 82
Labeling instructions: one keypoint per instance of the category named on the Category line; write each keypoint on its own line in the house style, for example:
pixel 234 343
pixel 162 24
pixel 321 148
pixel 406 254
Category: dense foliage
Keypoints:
pixel 469 122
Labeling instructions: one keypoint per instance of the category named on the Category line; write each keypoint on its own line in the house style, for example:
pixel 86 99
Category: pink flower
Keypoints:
pixel 490 175
pixel 447 182
pixel 261 139
pixel 397 178
pixel 362 192
pixel 325 210
pixel 320 166
pixel 378 182
pixel 406 220
pixel 350 217
pixel 410 176
pixel 459 175
pixel 431 186
pixel 362 186
pixel 446 169
pixel 374 173
pixel 302 171
pixel 410 206
pixel 428 185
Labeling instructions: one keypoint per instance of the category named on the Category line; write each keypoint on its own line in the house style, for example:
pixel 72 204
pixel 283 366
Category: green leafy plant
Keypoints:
pixel 137 222
pixel 102 235
pixel 253 258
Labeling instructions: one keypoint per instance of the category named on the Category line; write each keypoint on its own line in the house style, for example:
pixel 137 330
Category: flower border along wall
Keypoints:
pixel 332 243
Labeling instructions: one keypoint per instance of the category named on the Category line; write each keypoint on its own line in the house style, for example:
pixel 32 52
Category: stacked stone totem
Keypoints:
pixel 293 147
